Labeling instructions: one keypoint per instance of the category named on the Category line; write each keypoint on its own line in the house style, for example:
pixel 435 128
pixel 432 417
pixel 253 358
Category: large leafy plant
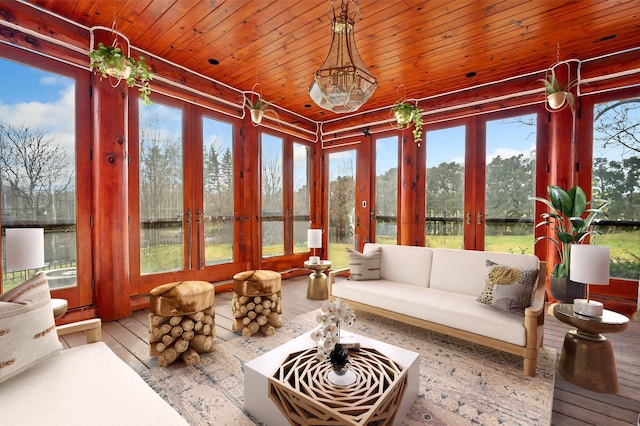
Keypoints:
pixel 566 217
pixel 111 61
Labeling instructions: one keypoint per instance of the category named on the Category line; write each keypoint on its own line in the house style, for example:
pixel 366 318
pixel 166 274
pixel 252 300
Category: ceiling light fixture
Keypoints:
pixel 342 83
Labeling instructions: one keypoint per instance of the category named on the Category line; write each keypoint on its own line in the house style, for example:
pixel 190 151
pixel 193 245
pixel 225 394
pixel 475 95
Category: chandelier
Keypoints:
pixel 342 83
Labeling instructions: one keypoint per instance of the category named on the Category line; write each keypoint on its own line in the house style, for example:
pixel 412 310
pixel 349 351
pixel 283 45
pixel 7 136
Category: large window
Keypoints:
pixel 38 166
pixel 616 177
pixel 161 189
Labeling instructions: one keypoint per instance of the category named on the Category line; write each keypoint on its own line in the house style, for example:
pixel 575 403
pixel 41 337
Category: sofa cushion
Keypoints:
pixel 364 266
pixel 463 271
pixel 508 288
pixel 404 264
pixel 27 328
pixel 454 310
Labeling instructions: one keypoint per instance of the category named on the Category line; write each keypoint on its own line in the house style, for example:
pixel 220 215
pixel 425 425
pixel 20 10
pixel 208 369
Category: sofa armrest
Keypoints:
pixel 93 327
pixel 332 277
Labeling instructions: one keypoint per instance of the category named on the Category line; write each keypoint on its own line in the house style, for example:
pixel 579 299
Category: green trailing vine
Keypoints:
pixel 111 61
pixel 407 114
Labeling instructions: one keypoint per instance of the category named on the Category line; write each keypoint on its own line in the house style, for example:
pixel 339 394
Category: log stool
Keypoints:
pixel 257 302
pixel 182 322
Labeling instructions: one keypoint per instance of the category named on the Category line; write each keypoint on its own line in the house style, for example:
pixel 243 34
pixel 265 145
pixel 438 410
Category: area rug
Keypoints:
pixel 460 383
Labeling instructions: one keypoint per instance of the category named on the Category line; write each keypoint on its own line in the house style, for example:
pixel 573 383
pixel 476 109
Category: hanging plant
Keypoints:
pixel 258 109
pixel 558 94
pixel 407 114
pixel 110 61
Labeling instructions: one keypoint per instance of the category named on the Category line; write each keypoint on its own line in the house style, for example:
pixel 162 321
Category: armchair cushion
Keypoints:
pixel 27 328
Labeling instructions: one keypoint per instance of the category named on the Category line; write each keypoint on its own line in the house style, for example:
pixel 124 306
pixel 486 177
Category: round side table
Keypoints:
pixel 587 357
pixel 317 289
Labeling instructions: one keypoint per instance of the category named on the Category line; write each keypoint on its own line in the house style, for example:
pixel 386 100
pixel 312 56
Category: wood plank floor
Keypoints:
pixel 571 405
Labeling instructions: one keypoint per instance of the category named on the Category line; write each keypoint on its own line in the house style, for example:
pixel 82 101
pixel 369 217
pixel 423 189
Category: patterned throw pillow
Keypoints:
pixel 508 288
pixel 364 266
pixel 27 328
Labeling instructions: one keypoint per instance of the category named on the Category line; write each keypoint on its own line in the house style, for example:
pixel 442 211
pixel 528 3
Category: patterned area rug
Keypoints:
pixel 460 382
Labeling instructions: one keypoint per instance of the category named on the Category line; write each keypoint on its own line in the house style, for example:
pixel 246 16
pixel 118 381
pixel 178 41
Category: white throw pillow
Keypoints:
pixel 27 327
pixel 364 266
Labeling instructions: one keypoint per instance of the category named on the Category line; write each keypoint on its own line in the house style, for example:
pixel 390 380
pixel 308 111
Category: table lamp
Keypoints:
pixel 589 265
pixel 25 249
pixel 314 241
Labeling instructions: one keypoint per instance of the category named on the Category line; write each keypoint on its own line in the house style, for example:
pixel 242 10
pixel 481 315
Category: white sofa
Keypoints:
pixel 84 385
pixel 438 289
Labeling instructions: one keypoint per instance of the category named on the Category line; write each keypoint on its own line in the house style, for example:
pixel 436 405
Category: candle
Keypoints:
pixel 590 308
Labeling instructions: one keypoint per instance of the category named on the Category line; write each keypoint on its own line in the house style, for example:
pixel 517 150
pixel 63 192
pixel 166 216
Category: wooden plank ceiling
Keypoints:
pixel 429 46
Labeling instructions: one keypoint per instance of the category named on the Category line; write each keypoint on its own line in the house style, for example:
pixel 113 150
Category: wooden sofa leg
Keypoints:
pixel 529 366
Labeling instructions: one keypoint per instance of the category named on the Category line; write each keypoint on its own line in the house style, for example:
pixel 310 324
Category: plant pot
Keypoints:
pixel 121 72
pixel 256 115
pixel 565 291
pixel 340 375
pixel 403 117
pixel 556 100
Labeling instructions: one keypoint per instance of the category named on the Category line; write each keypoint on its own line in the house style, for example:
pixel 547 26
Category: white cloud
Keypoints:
pixel 56 118
pixel 508 153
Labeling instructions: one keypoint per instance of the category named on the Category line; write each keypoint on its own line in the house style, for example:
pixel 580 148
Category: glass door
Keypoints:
pixel 510 185
pixel 445 190
pixel 386 190
pixel 163 221
pixel 341 206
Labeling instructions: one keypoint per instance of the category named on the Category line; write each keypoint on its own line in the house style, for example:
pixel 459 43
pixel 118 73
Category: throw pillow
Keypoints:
pixel 27 328
pixel 508 288
pixel 364 266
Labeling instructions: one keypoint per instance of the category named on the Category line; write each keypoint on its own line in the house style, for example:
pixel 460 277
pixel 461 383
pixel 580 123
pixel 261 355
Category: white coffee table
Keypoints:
pixel 258 372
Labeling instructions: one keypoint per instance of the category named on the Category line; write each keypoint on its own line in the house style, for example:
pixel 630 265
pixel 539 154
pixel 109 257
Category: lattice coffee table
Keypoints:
pixel 288 384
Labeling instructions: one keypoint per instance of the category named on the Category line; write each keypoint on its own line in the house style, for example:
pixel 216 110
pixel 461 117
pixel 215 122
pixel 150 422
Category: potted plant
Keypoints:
pixel 111 61
pixel 558 94
pixel 339 359
pixel 258 109
pixel 407 114
pixel 565 216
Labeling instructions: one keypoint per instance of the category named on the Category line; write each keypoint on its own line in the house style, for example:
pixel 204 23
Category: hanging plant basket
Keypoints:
pixel 258 109
pixel 256 115
pixel 110 61
pixel 407 114
pixel 556 100
pixel 558 95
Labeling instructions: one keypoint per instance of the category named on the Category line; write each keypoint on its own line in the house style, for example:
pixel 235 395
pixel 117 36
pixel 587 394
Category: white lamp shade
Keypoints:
pixel 314 238
pixel 25 248
pixel 589 264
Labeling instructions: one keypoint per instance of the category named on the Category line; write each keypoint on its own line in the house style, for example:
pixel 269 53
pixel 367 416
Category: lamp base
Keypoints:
pixel 590 308
pixel 314 260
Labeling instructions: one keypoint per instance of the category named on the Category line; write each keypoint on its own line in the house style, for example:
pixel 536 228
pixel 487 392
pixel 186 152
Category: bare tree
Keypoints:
pixel 35 171
pixel 617 124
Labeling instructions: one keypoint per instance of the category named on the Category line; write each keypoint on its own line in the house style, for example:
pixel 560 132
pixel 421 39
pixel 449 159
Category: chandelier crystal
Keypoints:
pixel 342 83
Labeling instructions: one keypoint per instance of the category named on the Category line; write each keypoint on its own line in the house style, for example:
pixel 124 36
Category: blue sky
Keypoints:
pixel 42 99
pixel 38 99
